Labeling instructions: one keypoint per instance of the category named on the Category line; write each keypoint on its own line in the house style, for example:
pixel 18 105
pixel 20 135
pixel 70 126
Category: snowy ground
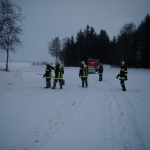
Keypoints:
pixel 100 117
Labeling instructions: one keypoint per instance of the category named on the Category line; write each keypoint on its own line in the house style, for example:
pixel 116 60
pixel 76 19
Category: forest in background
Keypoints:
pixel 132 45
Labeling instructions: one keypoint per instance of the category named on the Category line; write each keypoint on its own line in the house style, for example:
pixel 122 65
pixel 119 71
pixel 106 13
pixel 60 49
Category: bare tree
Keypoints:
pixel 54 48
pixel 128 28
pixel 10 27
pixel 125 40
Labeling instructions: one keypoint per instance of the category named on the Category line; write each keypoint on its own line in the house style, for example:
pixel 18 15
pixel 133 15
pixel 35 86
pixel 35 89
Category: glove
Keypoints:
pixel 117 76
pixel 43 76
pixel 126 78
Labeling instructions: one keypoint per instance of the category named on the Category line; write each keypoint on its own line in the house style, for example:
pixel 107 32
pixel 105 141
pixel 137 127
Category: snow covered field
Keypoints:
pixel 100 117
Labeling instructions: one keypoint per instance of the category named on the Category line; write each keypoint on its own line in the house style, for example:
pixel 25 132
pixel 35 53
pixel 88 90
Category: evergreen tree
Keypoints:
pixel 62 53
pixel 104 47
pixel 114 52
pixel 125 42
pixel 72 53
pixel 143 32
pixel 66 52
pixel 80 47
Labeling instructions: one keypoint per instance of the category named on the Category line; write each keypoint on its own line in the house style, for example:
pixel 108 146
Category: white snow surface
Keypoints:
pixel 100 117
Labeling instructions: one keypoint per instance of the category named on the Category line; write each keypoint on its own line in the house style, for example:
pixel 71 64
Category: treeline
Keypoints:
pixel 131 45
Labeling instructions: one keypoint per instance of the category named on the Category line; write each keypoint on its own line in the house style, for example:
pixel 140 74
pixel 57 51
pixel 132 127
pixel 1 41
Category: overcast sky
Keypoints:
pixel 47 19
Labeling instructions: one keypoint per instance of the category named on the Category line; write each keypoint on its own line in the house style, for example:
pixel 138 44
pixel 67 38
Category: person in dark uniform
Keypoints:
pixel 123 75
pixel 48 75
pixel 100 72
pixel 83 74
pixel 59 71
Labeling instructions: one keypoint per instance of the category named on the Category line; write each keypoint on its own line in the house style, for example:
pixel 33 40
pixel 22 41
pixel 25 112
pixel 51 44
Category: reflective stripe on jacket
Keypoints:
pixel 48 73
pixel 123 73
pixel 59 71
pixel 100 71
pixel 83 72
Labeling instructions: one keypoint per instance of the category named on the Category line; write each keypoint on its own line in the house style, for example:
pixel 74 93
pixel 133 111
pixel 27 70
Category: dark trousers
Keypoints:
pixel 60 82
pixel 84 80
pixel 48 82
pixel 123 85
pixel 100 77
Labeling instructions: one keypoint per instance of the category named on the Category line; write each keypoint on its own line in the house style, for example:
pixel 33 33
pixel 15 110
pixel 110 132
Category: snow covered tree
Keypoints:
pixel 10 27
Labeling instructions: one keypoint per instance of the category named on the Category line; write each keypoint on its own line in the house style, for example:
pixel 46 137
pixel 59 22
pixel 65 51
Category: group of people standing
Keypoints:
pixel 59 71
pixel 83 74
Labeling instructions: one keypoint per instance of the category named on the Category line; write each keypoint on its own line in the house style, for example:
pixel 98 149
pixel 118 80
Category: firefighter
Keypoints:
pixel 123 75
pixel 83 74
pixel 100 72
pixel 48 75
pixel 59 71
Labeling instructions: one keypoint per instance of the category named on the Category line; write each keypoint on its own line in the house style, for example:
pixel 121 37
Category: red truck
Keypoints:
pixel 94 63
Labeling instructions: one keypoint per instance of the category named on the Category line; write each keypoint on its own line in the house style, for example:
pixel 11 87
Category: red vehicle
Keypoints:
pixel 94 63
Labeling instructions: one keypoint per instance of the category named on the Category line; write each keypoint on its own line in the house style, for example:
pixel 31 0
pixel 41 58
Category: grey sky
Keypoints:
pixel 46 19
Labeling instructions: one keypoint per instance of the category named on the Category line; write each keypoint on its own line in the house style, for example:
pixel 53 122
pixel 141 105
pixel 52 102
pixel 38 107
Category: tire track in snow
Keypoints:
pixel 108 127
pixel 123 132
pixel 42 132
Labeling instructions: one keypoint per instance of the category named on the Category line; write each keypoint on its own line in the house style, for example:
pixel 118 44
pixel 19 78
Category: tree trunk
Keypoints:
pixel 7 61
pixel 56 59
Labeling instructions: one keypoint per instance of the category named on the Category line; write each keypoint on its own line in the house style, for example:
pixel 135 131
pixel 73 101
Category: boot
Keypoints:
pixel 100 77
pixel 60 83
pixel 47 85
pixel 123 88
pixel 86 83
pixel 82 84
pixel 54 85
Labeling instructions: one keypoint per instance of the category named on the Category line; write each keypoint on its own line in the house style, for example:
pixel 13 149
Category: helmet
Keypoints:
pixel 122 62
pixel 59 62
pixel 100 63
pixel 82 62
pixel 47 63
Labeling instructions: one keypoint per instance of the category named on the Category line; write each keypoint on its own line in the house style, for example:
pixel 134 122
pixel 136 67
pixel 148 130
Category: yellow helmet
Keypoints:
pixel 82 62
pixel 59 62
pixel 122 62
